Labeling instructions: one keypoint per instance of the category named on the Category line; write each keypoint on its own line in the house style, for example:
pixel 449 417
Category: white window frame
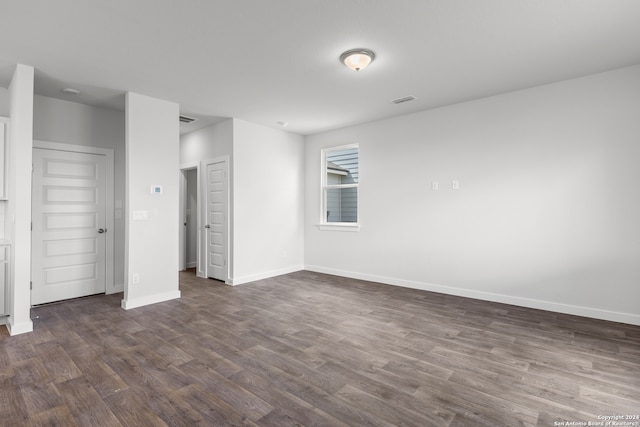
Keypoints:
pixel 336 226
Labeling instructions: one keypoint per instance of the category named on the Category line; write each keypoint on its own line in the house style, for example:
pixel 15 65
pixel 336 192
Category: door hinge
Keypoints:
pixel 30 285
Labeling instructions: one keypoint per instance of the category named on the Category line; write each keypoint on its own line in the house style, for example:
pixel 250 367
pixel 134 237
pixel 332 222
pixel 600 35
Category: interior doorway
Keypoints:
pixel 204 218
pixel 189 218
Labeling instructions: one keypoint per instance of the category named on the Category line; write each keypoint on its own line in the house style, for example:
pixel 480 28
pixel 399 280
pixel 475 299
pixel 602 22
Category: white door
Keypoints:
pixel 69 217
pixel 216 222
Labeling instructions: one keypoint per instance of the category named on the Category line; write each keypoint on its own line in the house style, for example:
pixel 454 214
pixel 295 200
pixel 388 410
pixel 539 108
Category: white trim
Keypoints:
pixel 18 329
pixel 183 264
pixel 182 232
pixel 148 300
pixel 330 226
pixel 202 213
pixel 190 165
pixel 339 226
pixel 596 313
pixel 264 275
pixel 110 287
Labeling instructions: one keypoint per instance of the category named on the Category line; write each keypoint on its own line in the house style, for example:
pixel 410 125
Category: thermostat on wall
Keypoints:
pixel 156 190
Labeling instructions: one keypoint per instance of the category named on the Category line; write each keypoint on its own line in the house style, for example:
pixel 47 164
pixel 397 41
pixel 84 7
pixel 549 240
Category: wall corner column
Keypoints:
pixel 18 216
pixel 152 194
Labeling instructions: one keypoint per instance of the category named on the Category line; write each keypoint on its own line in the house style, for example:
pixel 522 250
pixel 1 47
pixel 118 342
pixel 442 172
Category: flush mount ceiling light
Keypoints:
pixel 357 59
pixel 70 91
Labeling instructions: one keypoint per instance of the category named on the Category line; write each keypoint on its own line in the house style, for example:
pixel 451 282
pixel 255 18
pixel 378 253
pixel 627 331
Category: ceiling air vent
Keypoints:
pixel 404 99
pixel 185 119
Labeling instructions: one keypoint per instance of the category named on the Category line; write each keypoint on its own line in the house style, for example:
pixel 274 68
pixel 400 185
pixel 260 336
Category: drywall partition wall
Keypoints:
pixel 151 235
pixel 67 122
pixel 546 214
pixel 267 202
pixel 207 143
pixel 18 213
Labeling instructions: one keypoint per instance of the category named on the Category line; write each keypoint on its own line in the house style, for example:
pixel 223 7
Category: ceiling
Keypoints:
pixel 277 60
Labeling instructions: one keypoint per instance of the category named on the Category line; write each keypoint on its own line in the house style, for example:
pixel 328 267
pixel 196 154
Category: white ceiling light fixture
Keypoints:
pixel 70 91
pixel 357 59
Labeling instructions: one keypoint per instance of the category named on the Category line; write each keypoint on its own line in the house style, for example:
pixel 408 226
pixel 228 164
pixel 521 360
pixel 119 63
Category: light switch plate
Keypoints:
pixel 140 215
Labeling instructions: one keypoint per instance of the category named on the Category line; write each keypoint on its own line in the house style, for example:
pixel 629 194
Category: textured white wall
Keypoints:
pixel 152 158
pixel 268 202
pixel 72 123
pixel 547 214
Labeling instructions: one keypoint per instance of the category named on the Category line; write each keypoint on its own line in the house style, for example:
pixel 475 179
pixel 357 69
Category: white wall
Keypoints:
pixel 547 214
pixel 5 108
pixel 152 158
pixel 268 199
pixel 207 143
pixel 18 206
pixel 72 123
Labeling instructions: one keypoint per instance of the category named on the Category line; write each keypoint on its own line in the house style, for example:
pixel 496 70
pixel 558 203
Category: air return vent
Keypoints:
pixel 185 119
pixel 403 100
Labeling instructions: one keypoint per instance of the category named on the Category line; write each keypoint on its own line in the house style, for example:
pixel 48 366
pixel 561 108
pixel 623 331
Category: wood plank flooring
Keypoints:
pixel 314 350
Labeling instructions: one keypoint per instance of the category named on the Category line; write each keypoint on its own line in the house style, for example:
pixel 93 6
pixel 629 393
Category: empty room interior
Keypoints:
pixel 337 213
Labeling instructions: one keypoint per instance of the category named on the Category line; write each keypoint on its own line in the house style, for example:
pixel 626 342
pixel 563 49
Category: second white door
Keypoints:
pixel 69 216
pixel 216 220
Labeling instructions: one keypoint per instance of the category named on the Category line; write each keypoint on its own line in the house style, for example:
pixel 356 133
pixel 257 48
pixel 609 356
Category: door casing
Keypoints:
pixel 227 235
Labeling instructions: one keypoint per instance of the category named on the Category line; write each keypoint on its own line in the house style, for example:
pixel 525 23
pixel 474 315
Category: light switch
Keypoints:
pixel 435 186
pixel 455 184
pixel 140 215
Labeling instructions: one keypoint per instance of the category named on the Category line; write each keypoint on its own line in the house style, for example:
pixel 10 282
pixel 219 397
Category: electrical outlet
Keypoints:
pixel 455 184
pixel 435 186
pixel 135 278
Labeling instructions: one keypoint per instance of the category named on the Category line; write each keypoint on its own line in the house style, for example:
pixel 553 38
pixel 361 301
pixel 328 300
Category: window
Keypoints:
pixel 340 179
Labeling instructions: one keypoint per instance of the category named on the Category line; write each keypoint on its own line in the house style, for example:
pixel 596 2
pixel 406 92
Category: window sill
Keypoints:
pixel 339 227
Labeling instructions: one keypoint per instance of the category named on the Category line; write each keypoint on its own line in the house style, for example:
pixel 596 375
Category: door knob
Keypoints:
pixel 207 226
pixel 102 230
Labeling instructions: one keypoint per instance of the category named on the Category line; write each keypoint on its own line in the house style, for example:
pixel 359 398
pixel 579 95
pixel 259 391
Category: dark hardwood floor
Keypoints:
pixel 315 350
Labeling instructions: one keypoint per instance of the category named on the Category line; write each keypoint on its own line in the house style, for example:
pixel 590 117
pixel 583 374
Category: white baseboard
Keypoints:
pixel 629 318
pixel 20 328
pixel 148 300
pixel 265 275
